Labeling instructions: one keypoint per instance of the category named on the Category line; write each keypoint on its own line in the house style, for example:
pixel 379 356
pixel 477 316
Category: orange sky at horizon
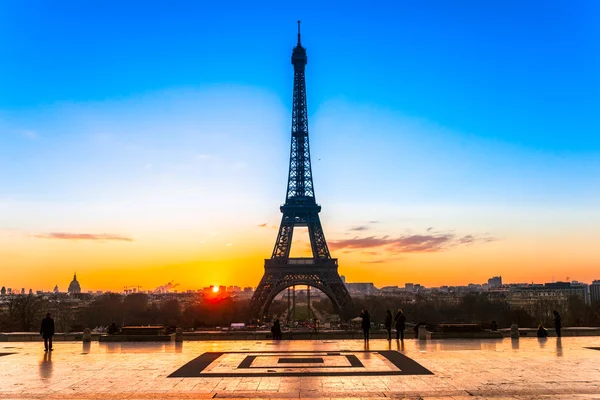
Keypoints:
pixel 112 265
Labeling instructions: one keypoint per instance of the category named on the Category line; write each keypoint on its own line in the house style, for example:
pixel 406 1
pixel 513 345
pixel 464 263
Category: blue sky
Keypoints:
pixel 145 118
pixel 498 69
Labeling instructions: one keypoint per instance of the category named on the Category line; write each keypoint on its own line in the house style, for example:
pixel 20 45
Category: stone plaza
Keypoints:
pixel 526 368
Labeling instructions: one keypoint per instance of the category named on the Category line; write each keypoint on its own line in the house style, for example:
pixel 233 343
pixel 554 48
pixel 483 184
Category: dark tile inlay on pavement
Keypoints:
pixel 300 361
pixel 343 363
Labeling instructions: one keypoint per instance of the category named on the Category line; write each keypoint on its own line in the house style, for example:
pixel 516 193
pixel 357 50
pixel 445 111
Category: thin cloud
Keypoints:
pixel 429 243
pixel 83 236
pixel 29 134
pixel 263 225
pixel 203 157
pixel 360 228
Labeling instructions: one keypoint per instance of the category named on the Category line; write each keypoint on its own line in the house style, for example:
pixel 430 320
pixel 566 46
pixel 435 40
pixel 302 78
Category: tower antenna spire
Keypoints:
pixel 298 32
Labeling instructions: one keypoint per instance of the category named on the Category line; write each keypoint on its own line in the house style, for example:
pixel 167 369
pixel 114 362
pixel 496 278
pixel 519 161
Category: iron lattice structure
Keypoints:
pixel 300 209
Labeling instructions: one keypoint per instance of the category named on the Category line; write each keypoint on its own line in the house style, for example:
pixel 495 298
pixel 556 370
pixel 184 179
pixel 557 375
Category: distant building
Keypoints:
pixel 74 287
pixel 582 286
pixel 495 282
pixel 594 291
pixel 22 290
pixel 3 291
pixel 362 288
pixel 474 287
pixel 559 292
pixel 56 291
pixel 409 286
pixel 390 289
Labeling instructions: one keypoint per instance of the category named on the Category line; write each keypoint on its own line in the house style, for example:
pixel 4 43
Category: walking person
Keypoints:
pixel 557 323
pixel 47 331
pixel 400 320
pixel 388 324
pixel 366 324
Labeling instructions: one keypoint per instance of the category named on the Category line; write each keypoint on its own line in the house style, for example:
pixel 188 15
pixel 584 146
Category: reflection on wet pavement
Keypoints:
pixel 46 365
pixel 525 368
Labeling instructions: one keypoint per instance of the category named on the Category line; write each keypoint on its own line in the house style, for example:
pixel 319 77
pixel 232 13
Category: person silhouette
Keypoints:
pixel 365 324
pixel 542 332
pixel 400 320
pixel 113 329
pixel 47 331
pixel 557 323
pixel 276 330
pixel 388 324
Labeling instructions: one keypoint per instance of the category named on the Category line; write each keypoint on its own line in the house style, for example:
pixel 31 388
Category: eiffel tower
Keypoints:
pixel 300 209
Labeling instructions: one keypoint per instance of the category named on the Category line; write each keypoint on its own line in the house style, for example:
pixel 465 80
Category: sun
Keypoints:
pixel 215 289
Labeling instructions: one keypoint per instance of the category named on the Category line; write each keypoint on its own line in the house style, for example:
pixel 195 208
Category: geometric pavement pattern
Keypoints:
pixel 299 364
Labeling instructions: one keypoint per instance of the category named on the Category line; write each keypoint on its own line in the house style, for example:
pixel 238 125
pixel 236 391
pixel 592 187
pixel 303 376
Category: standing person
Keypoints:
pixel 366 324
pixel 388 324
pixel 400 320
pixel 47 331
pixel 557 323
pixel 276 330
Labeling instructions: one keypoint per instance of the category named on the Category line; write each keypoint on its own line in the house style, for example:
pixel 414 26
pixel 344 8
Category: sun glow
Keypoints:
pixel 215 288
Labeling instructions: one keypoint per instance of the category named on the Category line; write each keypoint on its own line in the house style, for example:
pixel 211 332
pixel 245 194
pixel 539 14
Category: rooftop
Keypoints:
pixel 527 368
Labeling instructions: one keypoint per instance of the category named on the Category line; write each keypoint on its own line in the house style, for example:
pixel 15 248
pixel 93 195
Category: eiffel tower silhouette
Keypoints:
pixel 300 209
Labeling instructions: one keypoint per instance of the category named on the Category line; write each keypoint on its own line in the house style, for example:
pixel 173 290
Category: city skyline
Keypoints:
pixel 143 159
pixel 175 287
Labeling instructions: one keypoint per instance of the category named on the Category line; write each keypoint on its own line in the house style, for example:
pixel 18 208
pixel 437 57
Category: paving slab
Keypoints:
pixel 527 368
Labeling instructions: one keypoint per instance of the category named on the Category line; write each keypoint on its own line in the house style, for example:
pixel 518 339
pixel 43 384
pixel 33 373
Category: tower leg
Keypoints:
pixel 308 301
pixel 289 305
pixel 294 302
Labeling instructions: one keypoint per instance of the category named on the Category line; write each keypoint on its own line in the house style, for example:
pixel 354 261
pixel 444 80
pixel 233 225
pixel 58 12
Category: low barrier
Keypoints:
pixel 293 335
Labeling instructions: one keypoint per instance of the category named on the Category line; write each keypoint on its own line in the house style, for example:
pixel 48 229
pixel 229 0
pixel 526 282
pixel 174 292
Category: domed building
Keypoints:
pixel 74 287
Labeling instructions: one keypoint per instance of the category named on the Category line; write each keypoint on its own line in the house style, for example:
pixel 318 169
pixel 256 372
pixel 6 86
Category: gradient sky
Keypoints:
pixel 147 142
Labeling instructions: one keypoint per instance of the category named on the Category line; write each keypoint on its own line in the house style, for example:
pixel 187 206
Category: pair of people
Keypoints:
pixel 542 332
pixel 399 323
